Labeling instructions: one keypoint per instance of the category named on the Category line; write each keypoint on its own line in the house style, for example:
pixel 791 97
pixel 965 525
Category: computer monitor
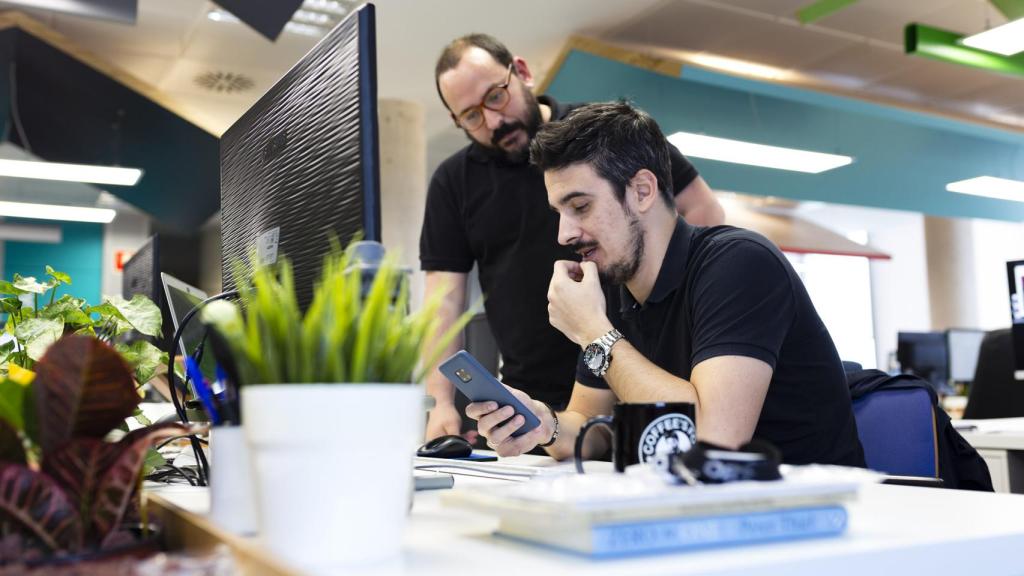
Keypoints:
pixel 141 275
pixel 181 298
pixel 301 165
pixel 925 354
pixel 963 345
pixel 1015 276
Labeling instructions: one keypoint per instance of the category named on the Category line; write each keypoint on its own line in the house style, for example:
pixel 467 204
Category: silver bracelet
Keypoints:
pixel 554 435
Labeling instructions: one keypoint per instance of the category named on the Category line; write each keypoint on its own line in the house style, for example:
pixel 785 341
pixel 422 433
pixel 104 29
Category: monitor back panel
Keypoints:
pixel 298 167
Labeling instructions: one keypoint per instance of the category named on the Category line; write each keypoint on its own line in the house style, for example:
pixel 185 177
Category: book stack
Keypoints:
pixel 609 515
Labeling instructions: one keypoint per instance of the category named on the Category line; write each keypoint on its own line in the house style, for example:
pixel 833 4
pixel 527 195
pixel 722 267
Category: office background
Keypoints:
pixel 839 84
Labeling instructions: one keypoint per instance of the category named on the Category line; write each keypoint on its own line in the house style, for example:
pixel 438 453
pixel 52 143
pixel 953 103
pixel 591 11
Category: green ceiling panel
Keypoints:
pixel 820 9
pixel 1012 9
pixel 945 46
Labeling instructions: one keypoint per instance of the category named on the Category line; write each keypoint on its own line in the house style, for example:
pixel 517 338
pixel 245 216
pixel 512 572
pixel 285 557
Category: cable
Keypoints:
pixel 204 467
pixel 15 111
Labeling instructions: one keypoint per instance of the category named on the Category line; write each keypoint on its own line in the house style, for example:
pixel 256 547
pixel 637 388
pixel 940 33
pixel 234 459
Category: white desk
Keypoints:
pixel 1000 441
pixel 893 530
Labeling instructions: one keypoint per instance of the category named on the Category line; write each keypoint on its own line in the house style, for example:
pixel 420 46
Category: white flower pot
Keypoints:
pixel 333 469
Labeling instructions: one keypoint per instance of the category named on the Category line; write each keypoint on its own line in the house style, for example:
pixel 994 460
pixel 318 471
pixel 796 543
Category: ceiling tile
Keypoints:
pixel 935 81
pixel 965 16
pixel 857 65
pixel 780 8
pixel 681 26
pixel 236 44
pixel 1003 93
pixel 882 20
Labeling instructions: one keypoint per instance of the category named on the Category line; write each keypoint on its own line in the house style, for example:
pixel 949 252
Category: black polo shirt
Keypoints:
pixel 728 291
pixel 483 209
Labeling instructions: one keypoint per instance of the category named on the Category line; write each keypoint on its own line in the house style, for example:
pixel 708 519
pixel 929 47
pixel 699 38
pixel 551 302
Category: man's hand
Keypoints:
pixel 576 305
pixel 491 423
pixel 443 420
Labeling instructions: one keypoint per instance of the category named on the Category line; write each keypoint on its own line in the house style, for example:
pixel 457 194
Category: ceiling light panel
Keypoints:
pixel 765 156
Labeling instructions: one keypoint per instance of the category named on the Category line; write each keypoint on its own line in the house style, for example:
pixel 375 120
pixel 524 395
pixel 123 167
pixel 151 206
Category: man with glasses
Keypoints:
pixel 487 205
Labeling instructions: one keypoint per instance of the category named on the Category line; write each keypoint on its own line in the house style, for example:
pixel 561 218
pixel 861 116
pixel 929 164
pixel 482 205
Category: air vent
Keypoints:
pixel 224 82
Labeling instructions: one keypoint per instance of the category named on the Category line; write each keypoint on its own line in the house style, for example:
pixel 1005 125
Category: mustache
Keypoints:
pixel 577 247
pixel 506 129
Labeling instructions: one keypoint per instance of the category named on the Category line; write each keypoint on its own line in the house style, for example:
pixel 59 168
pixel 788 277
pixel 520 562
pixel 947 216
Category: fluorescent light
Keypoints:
pixel 738 66
pixel 1007 39
pixel 53 212
pixel 739 152
pixel 70 172
pixel 991 187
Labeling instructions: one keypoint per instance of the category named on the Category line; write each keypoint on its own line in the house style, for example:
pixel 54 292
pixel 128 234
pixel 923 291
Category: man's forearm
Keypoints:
pixel 634 378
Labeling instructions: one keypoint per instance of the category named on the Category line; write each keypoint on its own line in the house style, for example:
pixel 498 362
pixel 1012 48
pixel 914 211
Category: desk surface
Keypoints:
pixel 995 433
pixel 893 529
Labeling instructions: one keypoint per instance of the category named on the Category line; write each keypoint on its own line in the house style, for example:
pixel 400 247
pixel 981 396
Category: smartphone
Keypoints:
pixel 479 385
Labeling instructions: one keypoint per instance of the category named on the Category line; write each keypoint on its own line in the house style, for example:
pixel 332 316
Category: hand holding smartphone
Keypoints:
pixel 479 385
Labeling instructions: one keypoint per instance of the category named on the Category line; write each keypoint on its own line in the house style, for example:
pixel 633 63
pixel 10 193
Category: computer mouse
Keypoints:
pixel 446 447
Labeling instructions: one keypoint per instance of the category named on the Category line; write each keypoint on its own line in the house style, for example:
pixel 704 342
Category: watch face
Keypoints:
pixel 593 357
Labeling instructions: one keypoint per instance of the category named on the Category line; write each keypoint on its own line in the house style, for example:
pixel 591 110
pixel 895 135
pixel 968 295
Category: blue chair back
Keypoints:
pixel 897 430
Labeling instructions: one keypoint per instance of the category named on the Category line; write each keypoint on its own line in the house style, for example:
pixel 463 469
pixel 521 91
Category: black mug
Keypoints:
pixel 641 432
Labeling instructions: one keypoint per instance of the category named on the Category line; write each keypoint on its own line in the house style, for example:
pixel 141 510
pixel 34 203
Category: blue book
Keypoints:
pixel 680 533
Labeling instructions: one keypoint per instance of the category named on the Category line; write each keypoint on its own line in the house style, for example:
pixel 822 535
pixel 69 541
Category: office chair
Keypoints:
pixel 995 393
pixel 898 433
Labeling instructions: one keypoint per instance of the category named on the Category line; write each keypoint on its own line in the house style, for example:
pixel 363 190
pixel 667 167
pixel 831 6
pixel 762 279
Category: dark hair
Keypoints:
pixel 615 138
pixel 452 55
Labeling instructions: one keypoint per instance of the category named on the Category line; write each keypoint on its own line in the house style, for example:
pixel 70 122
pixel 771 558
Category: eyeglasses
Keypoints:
pixel 496 99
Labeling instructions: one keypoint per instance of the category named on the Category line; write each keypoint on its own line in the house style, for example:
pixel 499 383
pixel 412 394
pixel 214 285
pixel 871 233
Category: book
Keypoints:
pixel 592 499
pixel 681 533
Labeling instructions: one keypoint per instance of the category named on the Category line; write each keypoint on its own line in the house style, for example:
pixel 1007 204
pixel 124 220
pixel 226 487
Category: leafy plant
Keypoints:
pixel 77 496
pixel 344 336
pixel 36 327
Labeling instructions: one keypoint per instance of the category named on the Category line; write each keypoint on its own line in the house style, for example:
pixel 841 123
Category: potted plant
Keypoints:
pixel 331 406
pixel 65 490
pixel 35 327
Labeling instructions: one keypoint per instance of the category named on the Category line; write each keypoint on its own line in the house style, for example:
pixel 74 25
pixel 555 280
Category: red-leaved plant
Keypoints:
pixel 76 497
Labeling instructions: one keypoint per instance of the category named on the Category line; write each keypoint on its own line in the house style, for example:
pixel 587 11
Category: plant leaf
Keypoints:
pixel 121 475
pixel 37 334
pixel 40 507
pixel 144 359
pixel 28 284
pixel 9 288
pixel 83 388
pixel 11 447
pixel 69 310
pixel 140 312
pixel 10 304
pixel 61 277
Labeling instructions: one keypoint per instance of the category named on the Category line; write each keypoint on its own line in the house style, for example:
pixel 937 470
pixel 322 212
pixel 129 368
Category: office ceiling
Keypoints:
pixel 857 50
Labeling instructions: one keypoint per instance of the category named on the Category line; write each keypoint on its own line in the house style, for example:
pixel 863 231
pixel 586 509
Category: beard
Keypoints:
pixel 623 271
pixel 620 272
pixel 532 124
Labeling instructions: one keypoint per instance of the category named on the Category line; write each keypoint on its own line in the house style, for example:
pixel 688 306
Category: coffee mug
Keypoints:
pixel 641 432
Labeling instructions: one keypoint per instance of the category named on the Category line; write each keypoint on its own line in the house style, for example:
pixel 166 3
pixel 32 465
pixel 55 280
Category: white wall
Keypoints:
pixel 899 286
pixel 995 243
pixel 129 230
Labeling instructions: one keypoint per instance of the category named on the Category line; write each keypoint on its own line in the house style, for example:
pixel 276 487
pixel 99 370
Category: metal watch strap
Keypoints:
pixel 610 338
pixel 554 435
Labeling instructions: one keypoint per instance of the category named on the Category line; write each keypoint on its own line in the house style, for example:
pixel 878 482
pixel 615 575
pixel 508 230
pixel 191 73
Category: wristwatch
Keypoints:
pixel 598 354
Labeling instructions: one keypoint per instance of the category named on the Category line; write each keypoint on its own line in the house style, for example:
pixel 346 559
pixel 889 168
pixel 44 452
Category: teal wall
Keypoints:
pixel 80 254
pixel 902 160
